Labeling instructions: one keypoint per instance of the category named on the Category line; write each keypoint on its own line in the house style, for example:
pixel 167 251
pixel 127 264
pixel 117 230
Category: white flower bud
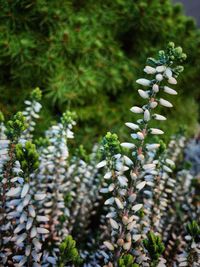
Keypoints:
pixel 160 68
pixel 131 225
pixel 127 160
pixel 114 224
pixel 140 135
pixel 120 242
pixel 159 117
pixel 167 169
pixel 149 166
pixel 136 110
pixel 153 104
pixel 168 73
pixel 137 207
pixel 108 245
pixel 136 237
pixel 127 246
pixel 165 103
pixel 159 77
pixel 128 145
pixel 141 185
pixel 104 190
pixel 144 82
pixel 132 197
pixel 111 187
pixel 25 190
pixel 169 90
pixel 109 201
pixel 149 70
pixel 156 131
pixel 140 157
pixel 132 126
pixel 151 147
pixel 147 115
pixel 128 237
pixel 33 232
pixel 172 80
pixel 122 180
pixel 40 196
pixel 143 94
pixel 125 220
pixel 170 162
pixel 42 230
pixel 119 203
pixel 13 192
pixel 101 164
pixel 155 88
pixel 108 175
pixel 134 136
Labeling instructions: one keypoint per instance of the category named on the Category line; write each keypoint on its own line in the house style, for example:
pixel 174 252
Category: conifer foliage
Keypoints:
pixel 86 54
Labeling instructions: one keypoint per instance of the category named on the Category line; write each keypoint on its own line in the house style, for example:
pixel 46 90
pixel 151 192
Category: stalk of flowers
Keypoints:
pixel 163 69
pixel 165 184
pixel 188 210
pixel 152 194
pixel 31 111
pixel 53 181
pixel 163 188
pixel 185 211
pixel 158 197
pixel 85 194
pixel 122 217
pixel 29 226
pixel 12 132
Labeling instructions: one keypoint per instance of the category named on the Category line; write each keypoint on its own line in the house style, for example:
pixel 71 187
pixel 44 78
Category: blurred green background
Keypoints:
pixel 86 55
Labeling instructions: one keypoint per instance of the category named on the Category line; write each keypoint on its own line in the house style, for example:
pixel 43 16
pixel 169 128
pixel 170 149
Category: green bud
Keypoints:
pixel 127 261
pixel 68 252
pixel 111 145
pixel 162 147
pixel 28 157
pixel 171 45
pixel 42 142
pixel 154 246
pixel 16 126
pixel 178 50
pixel 36 94
pixel 68 117
pixel 193 229
pixel 184 56
pixel 82 153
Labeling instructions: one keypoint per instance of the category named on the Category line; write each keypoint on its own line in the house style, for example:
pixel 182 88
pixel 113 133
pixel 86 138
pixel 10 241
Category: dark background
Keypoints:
pixel 192 8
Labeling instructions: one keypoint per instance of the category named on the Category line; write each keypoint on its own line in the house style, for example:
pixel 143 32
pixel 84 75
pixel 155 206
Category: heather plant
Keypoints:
pixel 125 204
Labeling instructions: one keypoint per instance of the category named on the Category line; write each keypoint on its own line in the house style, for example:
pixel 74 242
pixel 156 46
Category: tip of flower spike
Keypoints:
pixel 68 117
pixel 36 94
